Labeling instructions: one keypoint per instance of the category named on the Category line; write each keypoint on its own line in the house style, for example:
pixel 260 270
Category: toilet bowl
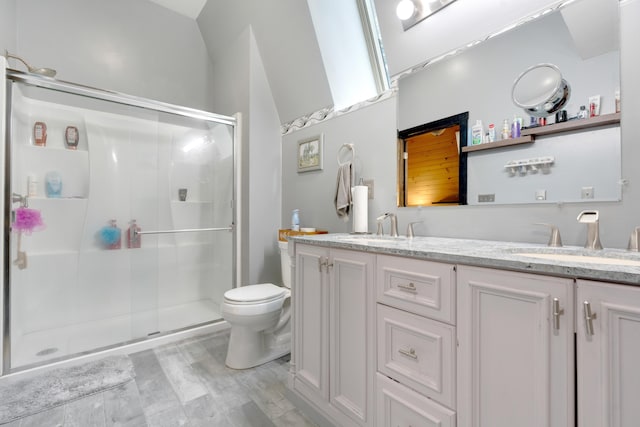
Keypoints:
pixel 259 316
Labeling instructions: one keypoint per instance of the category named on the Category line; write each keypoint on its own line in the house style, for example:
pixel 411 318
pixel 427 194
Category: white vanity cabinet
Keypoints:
pixel 608 354
pixel 334 341
pixel 416 343
pixel 515 349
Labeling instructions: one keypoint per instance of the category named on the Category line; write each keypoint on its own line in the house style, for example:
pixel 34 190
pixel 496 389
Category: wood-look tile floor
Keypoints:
pixel 185 384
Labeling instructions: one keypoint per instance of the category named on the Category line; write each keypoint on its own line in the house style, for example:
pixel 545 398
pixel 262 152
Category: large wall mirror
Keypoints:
pixel 582 40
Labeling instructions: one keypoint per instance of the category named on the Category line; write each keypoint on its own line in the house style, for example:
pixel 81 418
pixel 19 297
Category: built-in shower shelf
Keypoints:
pixel 57 199
pixel 45 149
pixel 192 202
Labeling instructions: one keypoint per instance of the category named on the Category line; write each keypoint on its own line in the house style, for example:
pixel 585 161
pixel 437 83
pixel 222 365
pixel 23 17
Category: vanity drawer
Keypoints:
pixel 418 352
pixel 421 287
pixel 399 406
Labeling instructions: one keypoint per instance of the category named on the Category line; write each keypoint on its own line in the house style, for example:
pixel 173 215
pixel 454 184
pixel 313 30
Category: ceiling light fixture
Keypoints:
pixel 405 9
pixel 411 12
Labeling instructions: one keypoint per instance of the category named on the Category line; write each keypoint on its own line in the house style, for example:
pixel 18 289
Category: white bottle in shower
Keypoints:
pixel 32 186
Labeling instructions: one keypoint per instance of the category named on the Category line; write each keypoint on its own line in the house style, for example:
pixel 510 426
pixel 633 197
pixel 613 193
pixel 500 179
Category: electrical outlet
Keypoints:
pixel 486 198
pixel 369 183
pixel 541 194
pixel 587 192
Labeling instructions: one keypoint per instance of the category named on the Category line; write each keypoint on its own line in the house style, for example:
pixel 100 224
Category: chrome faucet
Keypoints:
pixel 394 224
pixel 591 218
pixel 410 233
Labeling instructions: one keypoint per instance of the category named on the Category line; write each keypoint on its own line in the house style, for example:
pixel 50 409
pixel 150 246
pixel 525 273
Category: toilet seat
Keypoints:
pixel 254 294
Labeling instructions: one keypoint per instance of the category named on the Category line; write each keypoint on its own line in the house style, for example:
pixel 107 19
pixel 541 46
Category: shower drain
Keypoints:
pixel 47 351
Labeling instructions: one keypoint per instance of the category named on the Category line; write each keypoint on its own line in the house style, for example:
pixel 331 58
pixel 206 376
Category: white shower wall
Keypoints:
pixel 75 295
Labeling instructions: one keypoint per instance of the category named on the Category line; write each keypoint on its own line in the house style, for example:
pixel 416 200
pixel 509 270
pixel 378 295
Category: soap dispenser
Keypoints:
pixel 134 240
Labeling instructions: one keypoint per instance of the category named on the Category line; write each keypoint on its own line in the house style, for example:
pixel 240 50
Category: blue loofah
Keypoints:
pixel 109 235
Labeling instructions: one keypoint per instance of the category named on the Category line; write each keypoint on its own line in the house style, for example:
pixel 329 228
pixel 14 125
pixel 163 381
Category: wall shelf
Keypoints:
pixel 574 125
pixel 498 144
pixel 529 135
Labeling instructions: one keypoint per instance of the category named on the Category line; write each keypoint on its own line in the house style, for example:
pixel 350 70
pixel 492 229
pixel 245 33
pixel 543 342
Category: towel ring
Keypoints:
pixel 353 153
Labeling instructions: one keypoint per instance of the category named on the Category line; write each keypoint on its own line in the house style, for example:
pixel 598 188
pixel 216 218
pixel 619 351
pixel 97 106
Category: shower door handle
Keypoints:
pixel 184 230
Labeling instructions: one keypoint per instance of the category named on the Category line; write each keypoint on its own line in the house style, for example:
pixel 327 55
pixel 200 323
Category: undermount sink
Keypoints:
pixel 584 259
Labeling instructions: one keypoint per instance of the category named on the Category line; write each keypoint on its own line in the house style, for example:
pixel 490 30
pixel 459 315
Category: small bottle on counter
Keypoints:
pixel 295 220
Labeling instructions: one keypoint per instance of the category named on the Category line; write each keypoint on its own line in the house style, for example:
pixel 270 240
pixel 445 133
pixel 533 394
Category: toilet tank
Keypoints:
pixel 285 264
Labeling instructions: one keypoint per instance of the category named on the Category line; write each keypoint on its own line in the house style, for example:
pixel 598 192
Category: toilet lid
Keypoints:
pixel 263 292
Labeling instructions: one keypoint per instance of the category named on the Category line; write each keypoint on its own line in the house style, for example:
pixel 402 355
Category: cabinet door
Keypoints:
pixel 608 355
pixel 351 338
pixel 515 358
pixel 310 329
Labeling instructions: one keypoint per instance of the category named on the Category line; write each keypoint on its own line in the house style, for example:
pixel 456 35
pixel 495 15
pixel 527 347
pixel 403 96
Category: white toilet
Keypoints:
pixel 259 317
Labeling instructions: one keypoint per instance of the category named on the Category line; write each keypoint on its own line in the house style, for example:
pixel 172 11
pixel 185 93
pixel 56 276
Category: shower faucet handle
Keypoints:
pixel 18 198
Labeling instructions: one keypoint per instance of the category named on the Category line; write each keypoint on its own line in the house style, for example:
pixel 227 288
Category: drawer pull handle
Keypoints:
pixel 410 287
pixel 409 353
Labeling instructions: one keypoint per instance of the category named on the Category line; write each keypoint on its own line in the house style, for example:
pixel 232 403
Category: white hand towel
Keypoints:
pixel 343 191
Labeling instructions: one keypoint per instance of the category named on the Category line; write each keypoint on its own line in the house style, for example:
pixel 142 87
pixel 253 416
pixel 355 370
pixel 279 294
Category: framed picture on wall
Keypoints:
pixel 310 154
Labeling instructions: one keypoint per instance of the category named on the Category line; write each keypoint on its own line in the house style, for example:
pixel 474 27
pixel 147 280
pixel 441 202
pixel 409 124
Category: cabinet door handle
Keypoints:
pixel 588 317
pixel 409 288
pixel 557 312
pixel 322 261
pixel 409 353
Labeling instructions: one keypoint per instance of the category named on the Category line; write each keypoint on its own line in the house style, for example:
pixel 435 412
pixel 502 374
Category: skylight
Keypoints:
pixel 349 41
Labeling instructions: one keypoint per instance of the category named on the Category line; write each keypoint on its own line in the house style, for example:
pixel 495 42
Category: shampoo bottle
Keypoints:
pixel 110 235
pixel 477 133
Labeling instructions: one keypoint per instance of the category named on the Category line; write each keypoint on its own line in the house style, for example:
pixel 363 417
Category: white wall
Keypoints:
pixel 374 133
pixel 285 37
pixel 265 197
pixel 241 85
pixel 8 25
pixel 134 47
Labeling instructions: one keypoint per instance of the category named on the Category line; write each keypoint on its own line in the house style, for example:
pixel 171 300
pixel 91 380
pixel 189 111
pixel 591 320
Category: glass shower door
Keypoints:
pixel 136 214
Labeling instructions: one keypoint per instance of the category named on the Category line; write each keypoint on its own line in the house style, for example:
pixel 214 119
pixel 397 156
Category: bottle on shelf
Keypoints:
pixel 477 133
pixel 516 127
pixel 492 133
pixel 134 240
pixel 506 133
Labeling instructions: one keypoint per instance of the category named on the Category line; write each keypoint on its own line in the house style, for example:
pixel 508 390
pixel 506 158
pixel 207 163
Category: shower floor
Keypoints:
pixel 40 346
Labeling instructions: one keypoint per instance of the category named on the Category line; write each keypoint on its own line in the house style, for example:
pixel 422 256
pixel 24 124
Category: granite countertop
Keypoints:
pixel 611 265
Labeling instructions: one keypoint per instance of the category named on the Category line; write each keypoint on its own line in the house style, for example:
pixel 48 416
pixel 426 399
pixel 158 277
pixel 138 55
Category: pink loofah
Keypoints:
pixel 28 220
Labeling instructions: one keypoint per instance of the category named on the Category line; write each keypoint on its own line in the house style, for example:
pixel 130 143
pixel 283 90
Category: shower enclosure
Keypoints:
pixel 120 221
